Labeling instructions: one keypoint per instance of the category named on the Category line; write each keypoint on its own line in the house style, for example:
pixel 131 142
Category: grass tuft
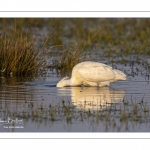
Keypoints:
pixel 81 52
pixel 18 55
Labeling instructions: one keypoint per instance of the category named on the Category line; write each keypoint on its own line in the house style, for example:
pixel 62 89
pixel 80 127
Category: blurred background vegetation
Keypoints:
pixel 72 38
pixel 119 34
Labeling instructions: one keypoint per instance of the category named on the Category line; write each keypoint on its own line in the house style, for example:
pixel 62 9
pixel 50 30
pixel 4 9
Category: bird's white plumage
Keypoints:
pixel 94 72
pixel 91 73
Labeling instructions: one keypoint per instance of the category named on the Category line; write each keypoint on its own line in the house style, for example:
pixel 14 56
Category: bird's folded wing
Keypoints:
pixel 96 73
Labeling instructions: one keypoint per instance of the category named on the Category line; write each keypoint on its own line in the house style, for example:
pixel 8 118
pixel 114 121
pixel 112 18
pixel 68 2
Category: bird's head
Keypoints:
pixel 63 82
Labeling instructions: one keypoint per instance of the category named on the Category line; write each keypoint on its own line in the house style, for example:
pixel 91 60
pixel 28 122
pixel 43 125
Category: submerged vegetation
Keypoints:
pixel 126 112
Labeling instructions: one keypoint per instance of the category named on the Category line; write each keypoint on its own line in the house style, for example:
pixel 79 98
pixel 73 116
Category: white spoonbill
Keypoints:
pixel 90 73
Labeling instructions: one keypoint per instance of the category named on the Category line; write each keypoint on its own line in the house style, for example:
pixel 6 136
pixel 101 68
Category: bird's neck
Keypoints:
pixel 68 82
pixel 71 82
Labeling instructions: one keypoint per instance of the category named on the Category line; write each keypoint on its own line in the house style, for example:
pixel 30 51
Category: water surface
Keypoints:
pixel 18 96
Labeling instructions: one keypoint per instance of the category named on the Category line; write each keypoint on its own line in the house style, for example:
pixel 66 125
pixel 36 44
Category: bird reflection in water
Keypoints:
pixel 93 98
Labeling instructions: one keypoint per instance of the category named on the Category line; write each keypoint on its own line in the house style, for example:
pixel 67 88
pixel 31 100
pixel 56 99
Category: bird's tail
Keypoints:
pixel 119 75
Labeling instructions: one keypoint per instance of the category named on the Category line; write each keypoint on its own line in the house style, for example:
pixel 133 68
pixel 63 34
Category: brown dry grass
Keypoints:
pixel 18 55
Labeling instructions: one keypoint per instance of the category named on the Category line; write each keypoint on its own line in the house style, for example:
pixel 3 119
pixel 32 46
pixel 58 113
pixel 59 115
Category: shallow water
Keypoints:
pixel 18 96
pixel 31 103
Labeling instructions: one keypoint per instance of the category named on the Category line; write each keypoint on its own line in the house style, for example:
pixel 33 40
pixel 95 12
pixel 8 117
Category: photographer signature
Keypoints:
pixel 10 120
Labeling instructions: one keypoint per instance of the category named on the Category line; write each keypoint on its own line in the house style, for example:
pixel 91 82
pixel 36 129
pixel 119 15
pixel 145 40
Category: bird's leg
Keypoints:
pixel 87 83
pixel 106 83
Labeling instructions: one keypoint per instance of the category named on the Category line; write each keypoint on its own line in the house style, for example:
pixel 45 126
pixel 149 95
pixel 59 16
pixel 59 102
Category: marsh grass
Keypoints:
pixel 79 53
pixel 77 38
pixel 69 59
pixel 18 55
pixel 121 35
